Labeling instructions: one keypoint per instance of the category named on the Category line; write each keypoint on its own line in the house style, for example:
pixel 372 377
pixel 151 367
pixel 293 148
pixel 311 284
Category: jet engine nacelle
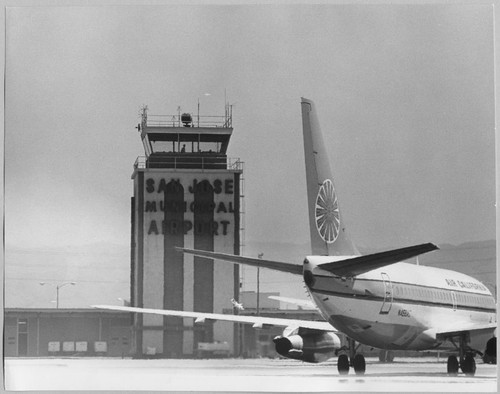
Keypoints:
pixel 490 354
pixel 307 345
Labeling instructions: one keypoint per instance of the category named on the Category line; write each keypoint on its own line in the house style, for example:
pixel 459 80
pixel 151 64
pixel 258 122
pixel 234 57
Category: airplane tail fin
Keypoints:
pixel 327 229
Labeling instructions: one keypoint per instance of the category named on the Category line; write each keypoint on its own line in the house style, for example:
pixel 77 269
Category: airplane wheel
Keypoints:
pixel 490 353
pixel 382 356
pixel 386 356
pixel 359 364
pixel 469 365
pixel 452 365
pixel 343 364
pixel 390 356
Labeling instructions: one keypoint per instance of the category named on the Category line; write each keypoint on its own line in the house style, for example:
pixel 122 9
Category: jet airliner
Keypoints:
pixel 377 299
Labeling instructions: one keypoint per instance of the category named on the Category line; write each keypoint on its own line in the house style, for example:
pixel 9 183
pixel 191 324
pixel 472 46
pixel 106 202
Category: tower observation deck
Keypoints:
pixel 184 141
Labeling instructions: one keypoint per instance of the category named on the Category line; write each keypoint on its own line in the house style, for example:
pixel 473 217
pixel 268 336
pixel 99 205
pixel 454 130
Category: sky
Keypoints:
pixel 404 94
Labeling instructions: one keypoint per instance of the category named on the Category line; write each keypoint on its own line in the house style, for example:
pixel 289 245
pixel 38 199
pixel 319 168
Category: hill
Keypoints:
pixel 101 271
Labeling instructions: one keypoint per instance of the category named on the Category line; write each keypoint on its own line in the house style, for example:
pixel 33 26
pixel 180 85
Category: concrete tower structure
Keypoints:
pixel 186 194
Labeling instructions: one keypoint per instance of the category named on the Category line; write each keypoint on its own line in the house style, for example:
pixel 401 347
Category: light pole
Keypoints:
pixel 57 290
pixel 260 256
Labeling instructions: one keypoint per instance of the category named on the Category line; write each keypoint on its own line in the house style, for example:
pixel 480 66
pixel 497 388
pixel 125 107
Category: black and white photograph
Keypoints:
pixel 249 197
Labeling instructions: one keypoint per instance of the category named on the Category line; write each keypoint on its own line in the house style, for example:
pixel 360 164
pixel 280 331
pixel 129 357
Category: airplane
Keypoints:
pixel 302 304
pixel 237 305
pixel 376 299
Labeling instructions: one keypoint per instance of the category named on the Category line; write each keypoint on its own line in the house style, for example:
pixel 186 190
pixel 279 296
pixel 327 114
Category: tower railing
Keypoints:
pixel 190 161
pixel 196 121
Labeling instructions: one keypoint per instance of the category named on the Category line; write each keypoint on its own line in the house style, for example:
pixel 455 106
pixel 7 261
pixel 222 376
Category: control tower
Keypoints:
pixel 186 194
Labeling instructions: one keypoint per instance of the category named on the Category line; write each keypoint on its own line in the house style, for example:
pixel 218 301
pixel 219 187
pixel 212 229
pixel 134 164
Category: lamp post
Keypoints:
pixel 260 256
pixel 57 290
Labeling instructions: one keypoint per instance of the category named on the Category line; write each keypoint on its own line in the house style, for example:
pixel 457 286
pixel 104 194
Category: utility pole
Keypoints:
pixel 260 256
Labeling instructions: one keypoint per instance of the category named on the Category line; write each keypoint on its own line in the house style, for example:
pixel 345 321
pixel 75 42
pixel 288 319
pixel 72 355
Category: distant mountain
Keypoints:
pixel 102 271
pixel 477 259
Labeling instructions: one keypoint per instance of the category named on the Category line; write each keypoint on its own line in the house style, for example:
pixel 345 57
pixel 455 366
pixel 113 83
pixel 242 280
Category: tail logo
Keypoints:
pixel 327 212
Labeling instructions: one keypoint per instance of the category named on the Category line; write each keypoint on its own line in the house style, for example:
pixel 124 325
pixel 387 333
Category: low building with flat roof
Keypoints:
pixel 66 332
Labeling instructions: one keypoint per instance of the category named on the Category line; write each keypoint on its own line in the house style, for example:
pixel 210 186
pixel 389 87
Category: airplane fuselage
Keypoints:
pixel 401 305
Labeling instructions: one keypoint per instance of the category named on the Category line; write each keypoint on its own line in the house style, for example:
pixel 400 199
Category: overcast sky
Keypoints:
pixel 405 96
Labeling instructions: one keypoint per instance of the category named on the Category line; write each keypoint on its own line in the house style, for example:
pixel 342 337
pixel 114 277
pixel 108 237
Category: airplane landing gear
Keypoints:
pixel 465 360
pixel 452 365
pixel 359 364
pixel 468 364
pixel 343 364
pixel 355 360
pixel 386 356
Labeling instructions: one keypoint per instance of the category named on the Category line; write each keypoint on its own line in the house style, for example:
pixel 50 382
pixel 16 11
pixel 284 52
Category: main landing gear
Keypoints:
pixel 386 356
pixel 355 360
pixel 465 359
pixel 467 364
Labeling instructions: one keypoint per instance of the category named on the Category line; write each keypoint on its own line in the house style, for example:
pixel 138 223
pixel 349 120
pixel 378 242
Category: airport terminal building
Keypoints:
pixel 56 332
pixel 65 332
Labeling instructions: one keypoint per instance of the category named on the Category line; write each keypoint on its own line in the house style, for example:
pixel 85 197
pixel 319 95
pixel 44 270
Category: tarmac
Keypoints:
pixel 239 375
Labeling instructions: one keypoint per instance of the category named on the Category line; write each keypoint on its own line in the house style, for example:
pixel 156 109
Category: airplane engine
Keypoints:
pixel 490 354
pixel 307 345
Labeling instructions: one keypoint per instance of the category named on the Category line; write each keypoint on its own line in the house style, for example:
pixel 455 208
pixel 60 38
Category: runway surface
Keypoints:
pixel 256 375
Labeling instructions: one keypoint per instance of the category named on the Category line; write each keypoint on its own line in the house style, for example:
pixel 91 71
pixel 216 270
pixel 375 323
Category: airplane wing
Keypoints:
pixel 274 265
pixel 466 326
pixel 302 303
pixel 359 265
pixel 257 321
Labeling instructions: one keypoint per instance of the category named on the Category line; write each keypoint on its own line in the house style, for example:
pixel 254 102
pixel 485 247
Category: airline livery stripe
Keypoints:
pixel 421 286
pixel 457 291
pixel 402 301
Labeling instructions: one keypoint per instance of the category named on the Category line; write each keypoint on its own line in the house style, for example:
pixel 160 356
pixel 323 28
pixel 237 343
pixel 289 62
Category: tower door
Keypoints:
pixel 386 305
